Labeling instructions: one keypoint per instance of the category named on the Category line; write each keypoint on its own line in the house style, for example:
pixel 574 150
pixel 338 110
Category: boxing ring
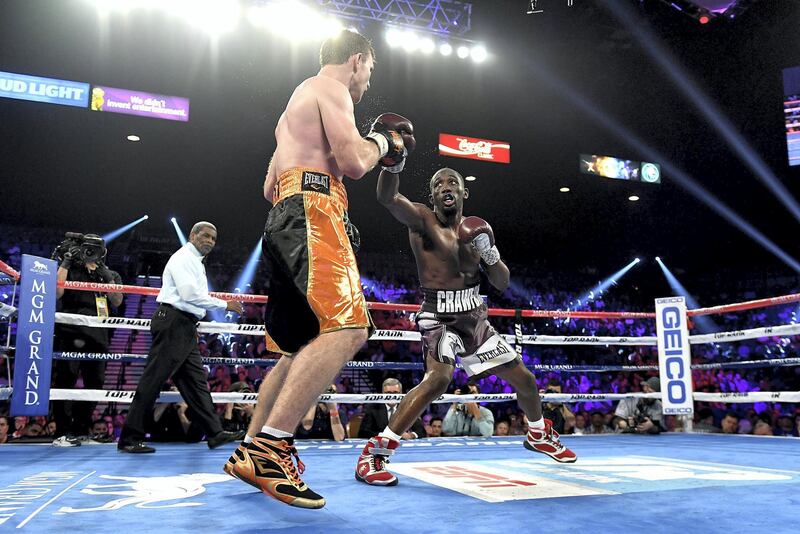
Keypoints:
pixel 663 483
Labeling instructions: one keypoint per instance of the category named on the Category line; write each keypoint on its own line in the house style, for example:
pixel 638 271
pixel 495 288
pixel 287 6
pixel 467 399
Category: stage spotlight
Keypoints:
pixel 633 198
pixel 410 42
pixel 249 270
pixel 564 189
pixel 605 284
pixel 590 109
pixel 133 138
pixel 426 45
pixel 122 229
pixel 462 52
pixel 479 54
pixel 394 37
pixel 705 105
pixel 445 49
pixel 214 16
pixel 704 323
pixel 178 231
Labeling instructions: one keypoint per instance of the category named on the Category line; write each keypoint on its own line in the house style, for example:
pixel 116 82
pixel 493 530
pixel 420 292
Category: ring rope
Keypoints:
pixel 414 366
pixel 99 395
pixel 408 335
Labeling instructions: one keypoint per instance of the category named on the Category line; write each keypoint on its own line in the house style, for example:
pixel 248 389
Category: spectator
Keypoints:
pixel 641 416
pixel 598 424
pixel 436 428
pixel 501 428
pixel 555 411
pixel 762 428
pixel 468 419
pixel 580 423
pixel 237 416
pixel 4 428
pixel 785 426
pixel 730 423
pixel 323 421
pixel 705 421
pixel 376 416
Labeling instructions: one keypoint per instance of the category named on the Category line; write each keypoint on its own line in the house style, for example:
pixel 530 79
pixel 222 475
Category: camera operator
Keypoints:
pixel 81 260
pixel 558 413
pixel 640 416
pixel 468 418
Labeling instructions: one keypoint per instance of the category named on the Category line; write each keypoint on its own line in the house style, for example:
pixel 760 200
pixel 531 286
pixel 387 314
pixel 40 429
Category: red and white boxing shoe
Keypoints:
pixel 545 440
pixel 371 467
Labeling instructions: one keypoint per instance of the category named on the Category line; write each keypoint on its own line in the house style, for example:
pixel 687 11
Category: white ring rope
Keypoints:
pixel 99 395
pixel 406 335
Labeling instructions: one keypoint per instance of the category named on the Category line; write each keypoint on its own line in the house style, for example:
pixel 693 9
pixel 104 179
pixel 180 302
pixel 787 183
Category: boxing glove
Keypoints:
pixel 476 231
pixel 394 135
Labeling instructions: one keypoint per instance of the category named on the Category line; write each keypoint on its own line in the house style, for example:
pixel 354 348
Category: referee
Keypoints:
pixel 183 301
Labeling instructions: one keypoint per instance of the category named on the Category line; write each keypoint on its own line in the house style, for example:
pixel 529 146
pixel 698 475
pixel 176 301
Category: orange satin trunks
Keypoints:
pixel 315 286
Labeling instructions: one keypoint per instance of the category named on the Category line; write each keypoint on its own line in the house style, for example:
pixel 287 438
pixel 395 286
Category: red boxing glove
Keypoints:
pixel 476 231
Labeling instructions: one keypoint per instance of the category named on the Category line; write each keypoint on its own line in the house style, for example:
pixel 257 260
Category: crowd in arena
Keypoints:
pixel 532 287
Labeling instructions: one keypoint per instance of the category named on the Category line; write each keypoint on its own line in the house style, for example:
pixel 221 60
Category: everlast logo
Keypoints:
pixel 317 182
pixel 491 354
pixel 459 300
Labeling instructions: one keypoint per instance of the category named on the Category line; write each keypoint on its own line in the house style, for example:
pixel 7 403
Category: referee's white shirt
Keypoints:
pixel 184 284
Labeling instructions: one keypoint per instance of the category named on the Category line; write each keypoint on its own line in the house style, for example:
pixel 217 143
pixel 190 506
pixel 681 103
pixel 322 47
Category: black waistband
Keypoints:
pixel 186 314
pixel 451 300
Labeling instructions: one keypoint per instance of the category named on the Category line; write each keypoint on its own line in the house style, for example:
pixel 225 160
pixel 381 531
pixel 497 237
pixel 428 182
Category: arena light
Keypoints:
pixel 292 19
pixel 470 178
pixel 122 229
pixel 394 37
pixel 703 322
pixel 633 198
pixel 706 106
pixel 445 49
pixel 410 42
pixel 426 45
pixel 677 175
pixel 564 189
pixel 602 286
pixel 134 138
pixel 248 272
pixel 462 52
pixel 214 16
pixel 178 231
pixel 479 54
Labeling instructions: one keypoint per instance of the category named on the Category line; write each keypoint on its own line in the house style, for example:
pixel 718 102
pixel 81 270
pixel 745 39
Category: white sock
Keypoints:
pixel 248 438
pixel 275 432
pixel 387 433
pixel 538 425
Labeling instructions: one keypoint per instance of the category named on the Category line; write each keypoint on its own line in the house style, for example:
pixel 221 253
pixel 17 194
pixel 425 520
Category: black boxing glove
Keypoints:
pixel 394 135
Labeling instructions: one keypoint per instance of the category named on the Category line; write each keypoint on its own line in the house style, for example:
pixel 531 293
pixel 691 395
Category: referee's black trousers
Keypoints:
pixel 173 352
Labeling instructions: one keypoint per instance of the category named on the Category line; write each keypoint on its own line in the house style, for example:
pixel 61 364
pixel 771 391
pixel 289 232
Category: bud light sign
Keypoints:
pixel 33 358
pixel 674 356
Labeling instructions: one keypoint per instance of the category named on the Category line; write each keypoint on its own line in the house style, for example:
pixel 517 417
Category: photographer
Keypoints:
pixel 468 419
pixel 558 413
pixel 323 421
pixel 80 259
pixel 640 416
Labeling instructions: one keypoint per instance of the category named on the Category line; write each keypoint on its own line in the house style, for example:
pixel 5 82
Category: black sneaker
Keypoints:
pixel 135 448
pixel 267 464
pixel 223 437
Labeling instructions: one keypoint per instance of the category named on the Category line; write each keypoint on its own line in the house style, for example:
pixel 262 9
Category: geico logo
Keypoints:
pixel 674 344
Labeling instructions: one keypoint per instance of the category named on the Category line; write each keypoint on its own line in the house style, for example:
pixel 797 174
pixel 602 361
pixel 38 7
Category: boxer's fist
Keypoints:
pixel 476 231
pixel 394 135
